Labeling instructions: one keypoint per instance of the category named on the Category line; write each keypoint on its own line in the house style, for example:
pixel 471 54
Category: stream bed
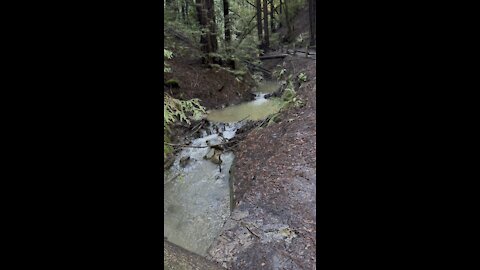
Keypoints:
pixel 197 188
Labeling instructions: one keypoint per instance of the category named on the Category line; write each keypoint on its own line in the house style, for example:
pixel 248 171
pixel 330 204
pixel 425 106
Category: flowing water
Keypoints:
pixel 197 192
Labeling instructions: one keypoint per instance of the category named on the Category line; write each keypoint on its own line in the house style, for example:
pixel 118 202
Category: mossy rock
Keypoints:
pixel 172 83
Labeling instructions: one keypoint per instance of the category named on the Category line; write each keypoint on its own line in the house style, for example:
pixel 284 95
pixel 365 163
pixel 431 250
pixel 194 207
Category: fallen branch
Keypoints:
pixel 194 146
pixel 273 56
pixel 186 146
pixel 199 126
pixel 310 53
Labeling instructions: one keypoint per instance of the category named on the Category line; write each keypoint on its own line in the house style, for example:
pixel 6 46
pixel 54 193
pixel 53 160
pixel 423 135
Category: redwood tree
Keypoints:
pixel 313 20
pixel 206 18
pixel 259 20
pixel 266 39
pixel 227 22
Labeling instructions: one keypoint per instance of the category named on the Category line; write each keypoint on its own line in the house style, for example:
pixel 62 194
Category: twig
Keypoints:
pixel 194 146
pixel 186 146
pixel 245 225
pixel 199 126
pixel 244 118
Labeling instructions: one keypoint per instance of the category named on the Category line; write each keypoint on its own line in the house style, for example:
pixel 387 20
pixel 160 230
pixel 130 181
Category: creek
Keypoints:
pixel 197 189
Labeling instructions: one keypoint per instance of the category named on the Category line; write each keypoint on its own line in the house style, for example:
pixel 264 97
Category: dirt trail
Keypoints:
pixel 274 223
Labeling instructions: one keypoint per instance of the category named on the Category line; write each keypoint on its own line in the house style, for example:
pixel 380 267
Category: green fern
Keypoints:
pixel 176 110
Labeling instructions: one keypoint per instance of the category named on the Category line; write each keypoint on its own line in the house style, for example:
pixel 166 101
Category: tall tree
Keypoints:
pixel 272 26
pixel 226 20
pixel 259 21
pixel 212 25
pixel 266 38
pixel 184 14
pixel 206 18
pixel 187 5
pixel 280 13
pixel 287 21
pixel 313 20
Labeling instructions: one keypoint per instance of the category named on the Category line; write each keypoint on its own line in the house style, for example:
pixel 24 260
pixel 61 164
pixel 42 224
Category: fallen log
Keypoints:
pixel 265 57
pixel 300 51
pixel 310 53
pixel 250 65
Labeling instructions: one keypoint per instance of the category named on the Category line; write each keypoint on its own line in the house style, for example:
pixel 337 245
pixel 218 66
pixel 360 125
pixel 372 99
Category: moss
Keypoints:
pixel 172 83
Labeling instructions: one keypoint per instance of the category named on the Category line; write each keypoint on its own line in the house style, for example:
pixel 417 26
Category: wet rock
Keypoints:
pixel 210 154
pixel 214 155
pixel 184 161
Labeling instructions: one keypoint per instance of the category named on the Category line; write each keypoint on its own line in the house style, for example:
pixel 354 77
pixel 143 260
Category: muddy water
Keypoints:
pixel 197 192
pixel 255 110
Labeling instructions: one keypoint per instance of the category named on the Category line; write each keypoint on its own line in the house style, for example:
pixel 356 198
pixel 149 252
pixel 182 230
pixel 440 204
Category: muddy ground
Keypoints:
pixel 274 223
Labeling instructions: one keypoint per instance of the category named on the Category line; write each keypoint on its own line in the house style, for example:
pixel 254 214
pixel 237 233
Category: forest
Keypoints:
pixel 239 134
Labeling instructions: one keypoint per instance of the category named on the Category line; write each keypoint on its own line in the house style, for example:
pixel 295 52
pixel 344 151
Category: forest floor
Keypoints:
pixel 215 87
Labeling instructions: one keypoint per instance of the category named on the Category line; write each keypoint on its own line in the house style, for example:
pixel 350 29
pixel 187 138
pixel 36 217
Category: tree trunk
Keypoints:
pixel 184 17
pixel 259 22
pixel 202 19
pixel 287 21
pixel 206 18
pixel 312 15
pixel 187 2
pixel 265 25
pixel 272 25
pixel 280 21
pixel 227 22
pixel 212 26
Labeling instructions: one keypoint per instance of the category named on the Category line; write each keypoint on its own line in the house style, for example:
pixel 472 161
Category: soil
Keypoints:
pixel 214 86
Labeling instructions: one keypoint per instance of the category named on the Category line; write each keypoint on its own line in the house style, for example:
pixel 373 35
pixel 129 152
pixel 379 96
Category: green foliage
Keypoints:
pixel 302 77
pixel 175 110
pixel 181 110
pixel 275 118
pixel 258 77
pixel 289 96
pixel 168 55
pixel 172 83
pixel 280 72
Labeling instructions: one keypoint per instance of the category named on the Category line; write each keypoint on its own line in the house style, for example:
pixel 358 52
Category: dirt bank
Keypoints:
pixel 274 223
pixel 215 87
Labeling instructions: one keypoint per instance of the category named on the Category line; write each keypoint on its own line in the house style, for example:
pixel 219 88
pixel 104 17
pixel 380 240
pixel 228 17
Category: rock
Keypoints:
pixel 172 83
pixel 214 156
pixel 210 154
pixel 184 161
